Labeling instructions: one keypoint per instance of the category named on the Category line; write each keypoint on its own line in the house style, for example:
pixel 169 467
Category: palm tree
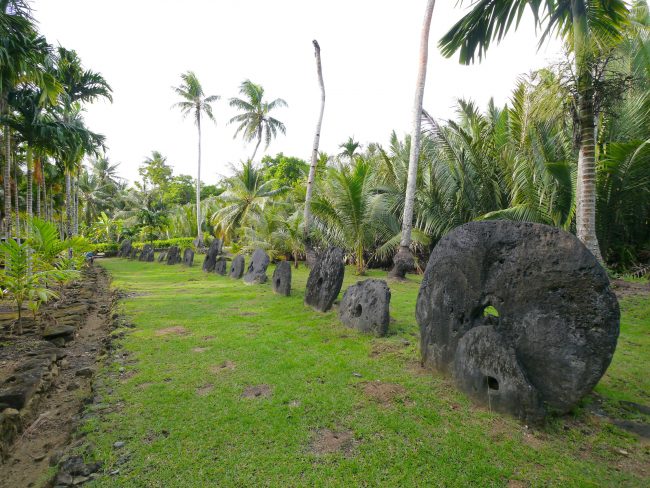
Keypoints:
pixel 403 260
pixel 79 86
pixel 584 25
pixel 193 101
pixel 349 149
pixel 314 152
pixel 254 121
pixel 23 53
pixel 245 198
pixel 350 213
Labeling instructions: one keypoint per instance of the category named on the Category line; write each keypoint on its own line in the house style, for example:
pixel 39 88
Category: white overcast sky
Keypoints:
pixel 369 53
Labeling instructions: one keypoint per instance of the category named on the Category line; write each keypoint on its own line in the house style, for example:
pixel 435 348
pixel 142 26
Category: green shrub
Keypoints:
pixel 106 247
pixel 181 242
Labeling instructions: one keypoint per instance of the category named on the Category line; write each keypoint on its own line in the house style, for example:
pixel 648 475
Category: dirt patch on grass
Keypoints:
pixel 382 348
pixel 384 393
pixel 220 368
pixel 625 289
pixel 205 389
pixel 144 386
pixel 415 367
pixel 326 441
pixel 258 391
pixel 200 349
pixel 176 330
pixel 208 338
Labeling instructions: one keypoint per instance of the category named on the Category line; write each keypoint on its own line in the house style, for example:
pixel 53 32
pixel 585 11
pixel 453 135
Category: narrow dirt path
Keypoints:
pixel 42 444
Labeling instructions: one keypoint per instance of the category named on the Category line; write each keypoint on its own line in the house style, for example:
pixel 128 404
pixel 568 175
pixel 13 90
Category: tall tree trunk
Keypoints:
pixel 314 160
pixel 404 260
pixel 256 146
pixel 75 183
pixel 38 200
pixel 30 159
pixel 199 235
pixel 586 183
pixel 7 181
pixel 16 202
pixel 68 205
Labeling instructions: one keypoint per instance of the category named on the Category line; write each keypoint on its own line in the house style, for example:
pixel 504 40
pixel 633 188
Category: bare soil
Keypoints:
pixel 42 443
pixel 383 393
pixel 326 441
pixel 258 391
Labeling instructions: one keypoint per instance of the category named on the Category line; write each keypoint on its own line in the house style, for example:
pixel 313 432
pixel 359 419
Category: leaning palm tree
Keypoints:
pixel 585 25
pixel 404 260
pixel 194 102
pixel 254 121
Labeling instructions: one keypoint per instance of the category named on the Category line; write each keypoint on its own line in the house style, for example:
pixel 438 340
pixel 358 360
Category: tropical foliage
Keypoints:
pixel 517 161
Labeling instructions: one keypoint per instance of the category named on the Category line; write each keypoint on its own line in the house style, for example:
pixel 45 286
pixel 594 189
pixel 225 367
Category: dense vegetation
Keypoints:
pixel 518 161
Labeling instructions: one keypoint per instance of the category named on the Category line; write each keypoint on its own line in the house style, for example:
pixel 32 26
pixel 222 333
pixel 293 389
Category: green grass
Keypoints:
pixel 428 436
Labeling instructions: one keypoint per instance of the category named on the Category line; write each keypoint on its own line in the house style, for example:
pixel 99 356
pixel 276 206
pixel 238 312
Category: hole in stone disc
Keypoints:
pixel 356 312
pixel 277 283
pixel 320 281
pixel 492 383
pixel 490 311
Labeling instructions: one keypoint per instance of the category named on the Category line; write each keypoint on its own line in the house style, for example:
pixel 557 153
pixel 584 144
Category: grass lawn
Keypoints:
pixel 184 408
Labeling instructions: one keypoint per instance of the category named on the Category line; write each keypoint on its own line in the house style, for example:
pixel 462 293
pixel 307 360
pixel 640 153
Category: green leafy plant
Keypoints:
pixel 25 277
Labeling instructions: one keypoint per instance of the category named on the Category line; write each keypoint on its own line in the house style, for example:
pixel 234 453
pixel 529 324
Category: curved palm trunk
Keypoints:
pixel 198 188
pixel 7 181
pixel 404 260
pixel 314 158
pixel 256 147
pixel 586 184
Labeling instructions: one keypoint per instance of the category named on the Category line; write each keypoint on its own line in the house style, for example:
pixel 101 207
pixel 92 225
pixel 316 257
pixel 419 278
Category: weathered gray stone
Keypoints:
pixel 125 248
pixel 325 280
pixel 486 368
pixel 282 278
pixel 134 253
pixel 147 253
pixel 366 306
pixel 211 255
pixel 188 257
pixel 221 266
pixel 237 267
pixel 556 322
pixel 256 272
pixel 173 255
pixel 54 331
pixel 162 257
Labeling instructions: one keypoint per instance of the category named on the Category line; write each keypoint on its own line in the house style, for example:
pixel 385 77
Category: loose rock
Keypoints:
pixel 237 267
pixel 543 320
pixel 365 307
pixel 173 255
pixel 282 278
pixel 125 249
pixel 147 253
pixel 211 255
pixel 221 266
pixel 256 272
pixel 325 280
pixel 188 257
